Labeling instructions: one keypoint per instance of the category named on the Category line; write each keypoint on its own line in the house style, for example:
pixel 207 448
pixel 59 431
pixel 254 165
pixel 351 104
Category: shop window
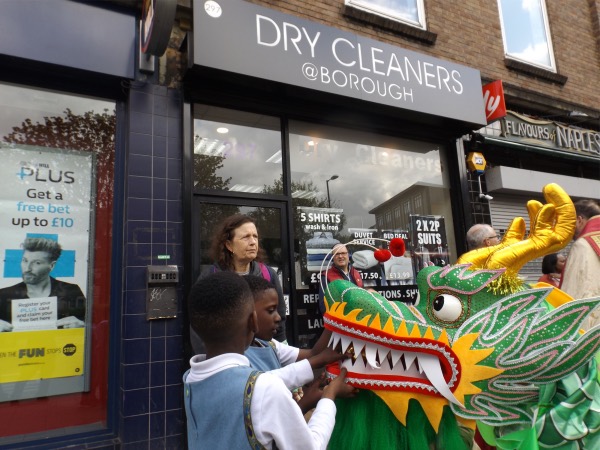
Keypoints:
pixel 349 185
pixel 237 151
pixel 411 12
pixel 526 33
pixel 55 238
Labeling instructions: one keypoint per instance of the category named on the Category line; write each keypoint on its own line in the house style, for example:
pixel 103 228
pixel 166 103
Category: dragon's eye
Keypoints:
pixel 447 307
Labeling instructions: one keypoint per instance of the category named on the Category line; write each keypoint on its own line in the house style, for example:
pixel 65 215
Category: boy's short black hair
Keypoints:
pixel 258 284
pixel 215 304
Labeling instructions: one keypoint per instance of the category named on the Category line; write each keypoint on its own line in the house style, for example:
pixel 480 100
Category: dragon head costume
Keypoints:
pixel 479 346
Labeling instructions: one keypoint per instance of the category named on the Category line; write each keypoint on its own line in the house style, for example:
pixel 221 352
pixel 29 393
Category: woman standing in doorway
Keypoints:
pixel 235 248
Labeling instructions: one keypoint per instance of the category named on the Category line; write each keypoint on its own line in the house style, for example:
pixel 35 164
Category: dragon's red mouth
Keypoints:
pixel 385 361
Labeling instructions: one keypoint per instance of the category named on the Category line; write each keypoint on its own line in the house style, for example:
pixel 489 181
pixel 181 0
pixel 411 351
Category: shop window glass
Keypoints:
pixel 208 216
pixel 57 193
pixel 411 12
pixel 526 32
pixel 348 184
pixel 237 151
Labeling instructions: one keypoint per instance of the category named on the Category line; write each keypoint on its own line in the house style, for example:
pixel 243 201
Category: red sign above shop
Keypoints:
pixel 493 100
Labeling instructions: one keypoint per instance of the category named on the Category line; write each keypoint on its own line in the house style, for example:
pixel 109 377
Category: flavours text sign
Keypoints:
pixel 523 129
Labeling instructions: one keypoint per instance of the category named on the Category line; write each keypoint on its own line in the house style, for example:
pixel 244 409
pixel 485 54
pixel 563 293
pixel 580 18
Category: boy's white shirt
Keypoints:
pixel 293 374
pixel 276 417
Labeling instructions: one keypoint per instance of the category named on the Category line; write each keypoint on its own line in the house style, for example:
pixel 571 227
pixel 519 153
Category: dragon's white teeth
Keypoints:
pixel 331 341
pixel 371 355
pixel 346 341
pixel 383 354
pixel 359 363
pixel 430 365
pixel 396 355
pixel 358 347
pixel 336 340
pixel 409 358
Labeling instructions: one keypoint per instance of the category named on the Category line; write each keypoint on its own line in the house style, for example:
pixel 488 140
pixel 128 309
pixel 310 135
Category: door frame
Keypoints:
pixel 286 252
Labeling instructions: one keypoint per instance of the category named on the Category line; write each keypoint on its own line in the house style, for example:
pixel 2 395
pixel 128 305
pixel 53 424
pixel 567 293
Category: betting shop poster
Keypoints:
pixel 429 243
pixel 46 194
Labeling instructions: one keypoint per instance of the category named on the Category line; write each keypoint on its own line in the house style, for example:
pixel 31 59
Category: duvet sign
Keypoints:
pixel 362 67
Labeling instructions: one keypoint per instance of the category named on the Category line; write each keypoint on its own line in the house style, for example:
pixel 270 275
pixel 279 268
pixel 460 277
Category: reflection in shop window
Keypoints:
pixel 397 217
pixel 418 204
pixel 526 32
pixel 411 12
pixel 381 181
pixel 236 151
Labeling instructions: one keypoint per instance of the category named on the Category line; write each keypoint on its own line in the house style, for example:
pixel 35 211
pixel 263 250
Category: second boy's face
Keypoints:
pixel 265 304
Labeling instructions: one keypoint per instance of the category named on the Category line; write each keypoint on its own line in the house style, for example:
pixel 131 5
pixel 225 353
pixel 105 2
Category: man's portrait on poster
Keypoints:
pixel 64 299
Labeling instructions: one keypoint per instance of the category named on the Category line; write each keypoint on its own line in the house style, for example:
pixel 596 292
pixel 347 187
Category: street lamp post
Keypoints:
pixel 333 177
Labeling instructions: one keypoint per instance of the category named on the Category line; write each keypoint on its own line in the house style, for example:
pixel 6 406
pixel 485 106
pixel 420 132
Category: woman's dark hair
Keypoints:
pixel 225 232
pixel 549 263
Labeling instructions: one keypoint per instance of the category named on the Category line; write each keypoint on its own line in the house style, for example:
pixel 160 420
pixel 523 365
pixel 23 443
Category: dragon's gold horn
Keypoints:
pixel 552 227
pixel 565 214
pixel 478 258
pixel 515 231
pixel 533 208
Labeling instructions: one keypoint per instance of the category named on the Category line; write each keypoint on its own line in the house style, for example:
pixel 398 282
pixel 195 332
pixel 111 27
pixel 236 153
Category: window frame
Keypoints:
pixel 363 5
pixel 241 129
pixel 90 410
pixel 550 47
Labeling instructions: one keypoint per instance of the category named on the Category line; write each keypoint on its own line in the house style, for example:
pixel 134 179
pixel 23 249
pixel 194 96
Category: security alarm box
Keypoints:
pixel 161 292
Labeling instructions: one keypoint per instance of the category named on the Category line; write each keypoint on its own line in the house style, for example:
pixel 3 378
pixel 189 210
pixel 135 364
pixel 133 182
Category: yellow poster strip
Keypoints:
pixel 36 355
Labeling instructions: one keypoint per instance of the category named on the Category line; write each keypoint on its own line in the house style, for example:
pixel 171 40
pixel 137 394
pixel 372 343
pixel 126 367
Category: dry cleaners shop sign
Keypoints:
pixel 240 37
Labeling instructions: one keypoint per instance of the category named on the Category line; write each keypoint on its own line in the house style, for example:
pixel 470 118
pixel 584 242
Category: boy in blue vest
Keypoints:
pixel 229 405
pixel 293 365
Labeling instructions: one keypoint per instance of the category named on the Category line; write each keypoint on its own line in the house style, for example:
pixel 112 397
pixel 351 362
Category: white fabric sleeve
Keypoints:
pixel 287 354
pixel 277 418
pixel 296 374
